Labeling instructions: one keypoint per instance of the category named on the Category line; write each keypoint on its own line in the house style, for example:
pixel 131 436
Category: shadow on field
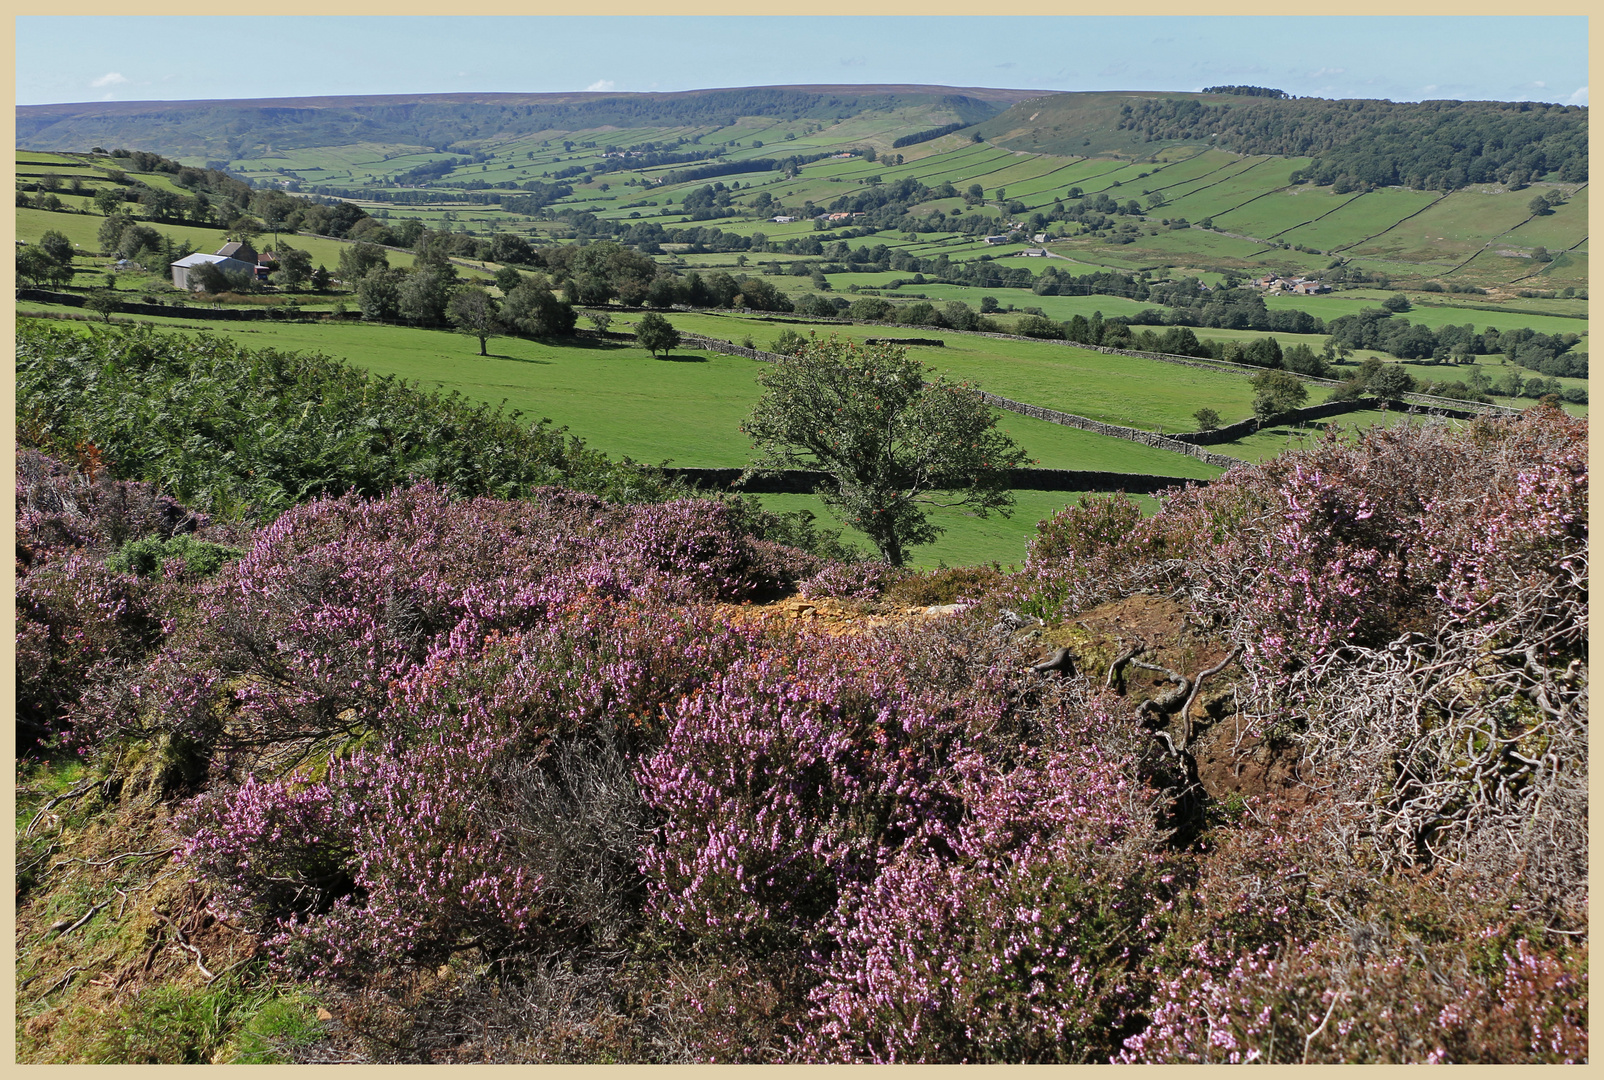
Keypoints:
pixel 592 345
pixel 683 359
pixel 516 359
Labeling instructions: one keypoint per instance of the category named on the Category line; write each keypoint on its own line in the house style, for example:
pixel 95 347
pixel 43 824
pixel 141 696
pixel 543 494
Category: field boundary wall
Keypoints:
pixel 806 481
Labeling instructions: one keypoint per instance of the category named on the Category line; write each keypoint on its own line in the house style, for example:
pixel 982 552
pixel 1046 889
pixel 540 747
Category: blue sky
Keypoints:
pixel 1402 58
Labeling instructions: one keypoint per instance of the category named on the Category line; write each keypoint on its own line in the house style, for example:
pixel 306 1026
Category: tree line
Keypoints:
pixel 1437 145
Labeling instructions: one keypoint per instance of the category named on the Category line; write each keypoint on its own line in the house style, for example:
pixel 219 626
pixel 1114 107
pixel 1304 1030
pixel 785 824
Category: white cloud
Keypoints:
pixel 107 96
pixel 1428 89
pixel 111 78
pixel 1578 98
pixel 601 85
pixel 1326 71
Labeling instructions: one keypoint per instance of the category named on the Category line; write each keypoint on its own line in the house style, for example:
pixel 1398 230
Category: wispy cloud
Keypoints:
pixel 111 78
pixel 601 85
pixel 1578 98
pixel 1323 72
pixel 1006 64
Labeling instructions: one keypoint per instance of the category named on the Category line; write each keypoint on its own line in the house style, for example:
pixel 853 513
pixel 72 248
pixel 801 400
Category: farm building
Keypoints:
pixel 235 255
pixel 183 266
pixel 239 249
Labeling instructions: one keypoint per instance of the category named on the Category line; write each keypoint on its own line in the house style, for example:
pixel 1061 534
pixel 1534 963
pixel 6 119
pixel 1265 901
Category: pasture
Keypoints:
pixel 1129 391
pixel 969 540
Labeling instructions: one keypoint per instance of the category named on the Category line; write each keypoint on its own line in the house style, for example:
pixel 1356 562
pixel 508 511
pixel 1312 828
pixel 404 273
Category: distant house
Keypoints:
pixel 1034 253
pixel 1310 288
pixel 1040 238
pixel 995 239
pixel 782 220
pixel 239 249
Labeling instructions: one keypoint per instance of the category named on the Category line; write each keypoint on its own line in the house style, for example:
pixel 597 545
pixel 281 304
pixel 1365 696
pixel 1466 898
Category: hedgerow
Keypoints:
pixel 249 433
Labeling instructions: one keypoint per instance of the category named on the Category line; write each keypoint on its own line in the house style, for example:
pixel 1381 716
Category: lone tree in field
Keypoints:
pixel 893 442
pixel 473 312
pixel 655 333
pixel 1276 392
pixel 103 302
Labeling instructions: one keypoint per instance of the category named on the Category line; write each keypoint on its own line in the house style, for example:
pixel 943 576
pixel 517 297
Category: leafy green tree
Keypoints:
pixel 378 294
pixel 1207 419
pixel 57 246
pixel 789 343
pixel 600 320
pixel 245 228
pixel 321 278
pixel 424 295
pixel 473 312
pixel 111 232
pixel 294 267
pixel 357 260
pixel 1264 352
pixel 34 264
pixel 1277 392
pixel 1303 360
pixel 159 204
pixel 1396 303
pixel 109 201
pixel 655 333
pixel 103 302
pixel 1390 381
pixel 533 310
pixel 893 442
pixel 759 295
pixel 508 279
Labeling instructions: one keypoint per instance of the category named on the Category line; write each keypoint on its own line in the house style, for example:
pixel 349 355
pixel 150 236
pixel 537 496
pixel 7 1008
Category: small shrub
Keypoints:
pixel 852 581
pixel 147 556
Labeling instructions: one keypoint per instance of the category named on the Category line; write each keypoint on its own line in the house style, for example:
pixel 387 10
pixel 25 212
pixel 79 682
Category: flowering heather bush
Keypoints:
pixel 795 773
pixel 1411 608
pixel 442 832
pixel 1328 1002
pixel 78 620
pixel 853 581
pixel 1096 550
pixel 1016 938
pixel 339 598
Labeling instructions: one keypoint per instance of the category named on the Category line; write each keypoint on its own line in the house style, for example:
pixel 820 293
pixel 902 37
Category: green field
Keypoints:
pixel 968 540
pixel 1129 391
